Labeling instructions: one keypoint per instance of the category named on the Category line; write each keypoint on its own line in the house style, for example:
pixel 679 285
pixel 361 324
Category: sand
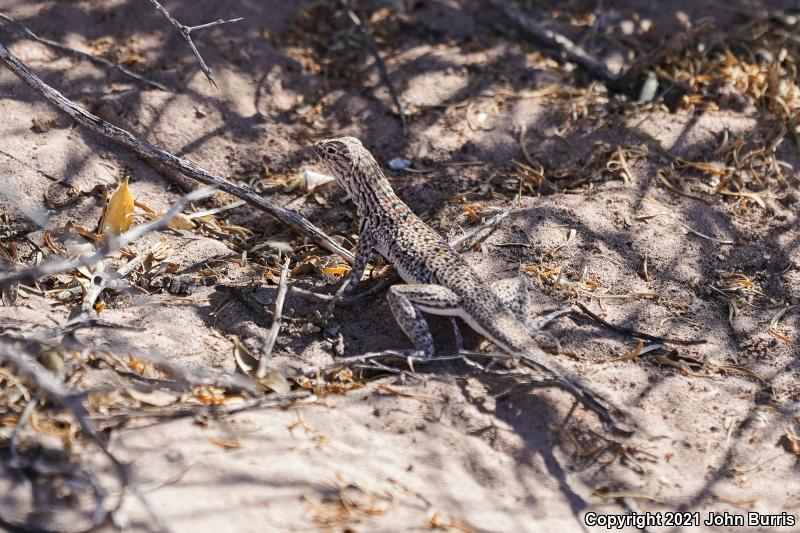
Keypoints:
pixel 453 448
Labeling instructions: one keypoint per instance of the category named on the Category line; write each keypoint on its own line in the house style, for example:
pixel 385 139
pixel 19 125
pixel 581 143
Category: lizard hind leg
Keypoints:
pixel 409 302
pixel 514 295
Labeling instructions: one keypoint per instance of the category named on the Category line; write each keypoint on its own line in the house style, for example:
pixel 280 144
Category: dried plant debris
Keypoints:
pixel 510 129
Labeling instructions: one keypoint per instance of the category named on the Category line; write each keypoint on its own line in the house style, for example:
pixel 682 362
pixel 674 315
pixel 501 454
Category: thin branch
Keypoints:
pixel 556 40
pixel 50 387
pixel 672 47
pixel 152 152
pixel 261 402
pixel 490 223
pixel 83 55
pixel 185 378
pixel 269 343
pixel 347 300
pixel 622 82
pixel 633 332
pixel 369 42
pixel 186 33
pixel 96 288
pixel 111 244
pixel 556 376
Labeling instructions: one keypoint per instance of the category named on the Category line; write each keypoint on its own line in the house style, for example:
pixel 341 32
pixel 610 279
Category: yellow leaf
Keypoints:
pixel 337 271
pixel 117 218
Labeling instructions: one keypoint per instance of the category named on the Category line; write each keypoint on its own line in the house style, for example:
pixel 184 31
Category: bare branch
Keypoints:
pixel 369 42
pixel 556 40
pixel 673 46
pixel 269 343
pixel 186 33
pixel 114 243
pixel 50 387
pixel 622 82
pixel 83 55
pixel 152 152
pixel 490 223
pixel 554 375
pixel 634 333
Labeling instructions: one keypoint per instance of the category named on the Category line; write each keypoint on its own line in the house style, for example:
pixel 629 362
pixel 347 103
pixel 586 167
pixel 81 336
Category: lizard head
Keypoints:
pixel 348 160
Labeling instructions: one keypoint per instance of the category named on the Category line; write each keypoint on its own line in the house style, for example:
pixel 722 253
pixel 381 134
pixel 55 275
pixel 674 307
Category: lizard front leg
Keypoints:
pixel 363 251
pixel 408 302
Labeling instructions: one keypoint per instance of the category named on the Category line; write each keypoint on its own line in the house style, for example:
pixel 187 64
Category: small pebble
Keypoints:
pixel 398 163
pixel 764 57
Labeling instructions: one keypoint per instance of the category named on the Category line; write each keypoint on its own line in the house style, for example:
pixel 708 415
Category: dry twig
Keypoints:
pixel 153 153
pixel 556 40
pixel 186 33
pixel 269 343
pixel 50 387
pixel 633 332
pixel 83 55
pixel 111 244
pixel 374 361
pixel 369 42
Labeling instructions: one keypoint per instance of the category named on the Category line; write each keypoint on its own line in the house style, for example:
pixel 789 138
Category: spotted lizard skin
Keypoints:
pixel 440 281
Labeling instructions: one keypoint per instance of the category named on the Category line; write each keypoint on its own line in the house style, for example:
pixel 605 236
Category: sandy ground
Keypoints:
pixel 453 448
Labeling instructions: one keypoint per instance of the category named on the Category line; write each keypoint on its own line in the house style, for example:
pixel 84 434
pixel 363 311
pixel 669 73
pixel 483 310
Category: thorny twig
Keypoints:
pixel 186 33
pixel 369 42
pixel 83 55
pixel 152 153
pixel 269 343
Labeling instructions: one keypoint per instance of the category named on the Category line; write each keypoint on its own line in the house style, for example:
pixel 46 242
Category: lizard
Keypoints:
pixel 438 280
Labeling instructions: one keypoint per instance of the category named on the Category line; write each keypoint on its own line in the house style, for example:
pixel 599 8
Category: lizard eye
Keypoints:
pixel 330 150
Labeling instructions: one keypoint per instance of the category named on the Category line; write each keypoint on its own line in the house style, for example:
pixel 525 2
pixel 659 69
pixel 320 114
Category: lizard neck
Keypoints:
pixel 374 196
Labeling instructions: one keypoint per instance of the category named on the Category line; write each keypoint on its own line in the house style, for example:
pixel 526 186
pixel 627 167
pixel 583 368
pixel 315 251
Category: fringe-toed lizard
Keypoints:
pixel 438 279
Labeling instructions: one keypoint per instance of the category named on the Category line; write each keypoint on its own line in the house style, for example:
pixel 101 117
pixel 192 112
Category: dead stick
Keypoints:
pixel 556 377
pixel 49 386
pixel 269 343
pixel 490 223
pixel 186 33
pixel 152 152
pixel 84 55
pixel 633 332
pixel 111 244
pixel 369 41
pixel 556 40
pixel 672 47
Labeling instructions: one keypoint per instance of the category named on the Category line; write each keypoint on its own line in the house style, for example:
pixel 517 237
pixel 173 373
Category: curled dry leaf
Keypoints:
pixel 249 364
pixel 156 398
pixel 181 221
pixel 117 216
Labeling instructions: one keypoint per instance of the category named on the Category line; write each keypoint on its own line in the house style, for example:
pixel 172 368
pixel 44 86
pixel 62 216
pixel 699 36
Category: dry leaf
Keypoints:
pixel 337 271
pixel 249 365
pixel 157 398
pixel 181 221
pixel 117 217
